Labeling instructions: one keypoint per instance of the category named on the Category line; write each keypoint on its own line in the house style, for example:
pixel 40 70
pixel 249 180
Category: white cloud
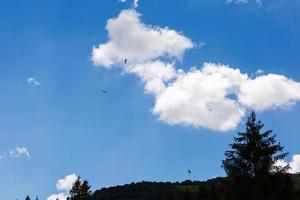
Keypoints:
pixel 60 196
pixel 33 81
pixel 269 91
pixel 154 74
pixel 199 98
pixel 294 164
pixel 66 183
pixel 132 40
pixel 215 96
pixel 19 151
pixel 63 186
pixel 260 72
pixel 123 1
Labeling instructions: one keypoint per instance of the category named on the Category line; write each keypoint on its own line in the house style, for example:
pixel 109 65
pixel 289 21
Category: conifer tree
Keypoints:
pixel 27 198
pixel 254 152
pixel 81 190
pixel 251 165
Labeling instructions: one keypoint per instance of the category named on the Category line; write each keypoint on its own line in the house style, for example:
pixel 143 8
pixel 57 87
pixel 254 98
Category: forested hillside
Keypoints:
pixel 213 189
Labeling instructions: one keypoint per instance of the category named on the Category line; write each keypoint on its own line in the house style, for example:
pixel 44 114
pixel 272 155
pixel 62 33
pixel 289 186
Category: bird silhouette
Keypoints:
pixel 104 92
pixel 189 171
pixel 125 61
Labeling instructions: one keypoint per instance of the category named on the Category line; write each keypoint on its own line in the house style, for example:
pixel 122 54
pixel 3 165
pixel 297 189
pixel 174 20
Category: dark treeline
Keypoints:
pixel 250 165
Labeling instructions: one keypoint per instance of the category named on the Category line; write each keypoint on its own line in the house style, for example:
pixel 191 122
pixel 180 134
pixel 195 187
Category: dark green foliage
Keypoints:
pixel 143 190
pixel 254 152
pixel 203 193
pixel 250 166
pixel 187 195
pixel 280 187
pixel 80 191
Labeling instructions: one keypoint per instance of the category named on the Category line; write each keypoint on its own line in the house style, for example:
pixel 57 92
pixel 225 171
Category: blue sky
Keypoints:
pixel 67 125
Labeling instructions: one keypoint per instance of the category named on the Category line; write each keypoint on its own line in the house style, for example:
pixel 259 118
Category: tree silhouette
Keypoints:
pixel 254 153
pixel 81 190
pixel 250 165
pixel 27 198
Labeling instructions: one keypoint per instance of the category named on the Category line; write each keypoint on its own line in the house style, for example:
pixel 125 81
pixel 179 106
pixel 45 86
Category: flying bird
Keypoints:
pixel 189 171
pixel 104 92
pixel 125 61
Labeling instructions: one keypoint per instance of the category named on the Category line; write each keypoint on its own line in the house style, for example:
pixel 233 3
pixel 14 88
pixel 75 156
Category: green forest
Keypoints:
pixel 250 166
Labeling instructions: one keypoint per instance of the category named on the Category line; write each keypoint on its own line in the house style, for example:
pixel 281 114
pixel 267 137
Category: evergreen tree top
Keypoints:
pixel 254 152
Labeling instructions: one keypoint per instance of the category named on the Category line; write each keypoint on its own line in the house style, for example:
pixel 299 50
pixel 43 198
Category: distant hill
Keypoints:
pixel 187 190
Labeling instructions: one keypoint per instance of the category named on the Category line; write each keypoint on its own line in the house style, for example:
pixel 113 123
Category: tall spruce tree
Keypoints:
pixel 254 152
pixel 251 166
pixel 81 190
pixel 27 198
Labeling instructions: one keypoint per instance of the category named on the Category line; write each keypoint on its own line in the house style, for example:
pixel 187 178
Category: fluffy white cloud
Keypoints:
pixel 19 151
pixel 63 186
pixel 130 39
pixel 60 196
pixel 199 98
pixel 294 164
pixel 66 183
pixel 154 74
pixel 269 91
pixel 33 81
pixel 215 96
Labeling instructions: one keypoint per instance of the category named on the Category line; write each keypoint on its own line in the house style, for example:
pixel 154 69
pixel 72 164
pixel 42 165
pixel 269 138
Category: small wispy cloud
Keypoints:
pixel 237 1
pixel 258 2
pixel 33 81
pixel 260 71
pixel 19 152
pixel 135 3
pixel 16 153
